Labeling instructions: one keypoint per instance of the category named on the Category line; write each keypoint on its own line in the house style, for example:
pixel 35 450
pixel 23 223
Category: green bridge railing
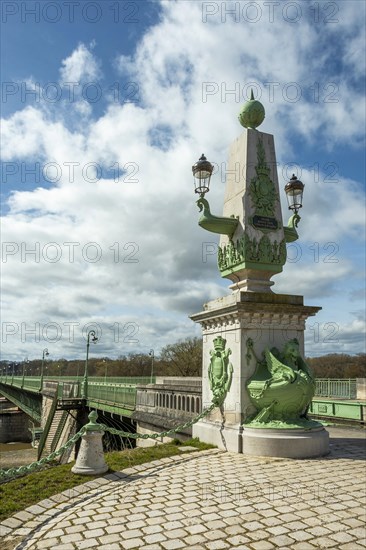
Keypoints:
pixel 120 392
pixel 113 394
pixel 345 388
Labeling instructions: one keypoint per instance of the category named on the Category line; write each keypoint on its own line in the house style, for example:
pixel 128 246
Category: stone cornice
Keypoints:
pixel 253 310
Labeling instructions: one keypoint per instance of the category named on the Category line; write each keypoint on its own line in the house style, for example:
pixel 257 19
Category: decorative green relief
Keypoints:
pixel 215 224
pixel 248 249
pixel 281 389
pixel 220 370
pixel 262 189
pixel 252 113
pixel 291 234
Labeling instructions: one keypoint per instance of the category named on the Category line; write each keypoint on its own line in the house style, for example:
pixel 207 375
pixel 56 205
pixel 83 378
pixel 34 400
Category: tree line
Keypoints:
pixel 184 358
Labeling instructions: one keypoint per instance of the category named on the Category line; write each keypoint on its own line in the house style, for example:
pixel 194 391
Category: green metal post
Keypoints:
pixel 84 387
pixel 151 353
pixel 45 353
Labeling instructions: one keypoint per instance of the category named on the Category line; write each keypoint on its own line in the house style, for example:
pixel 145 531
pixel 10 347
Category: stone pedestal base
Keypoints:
pixel 227 438
pixel 296 443
pixel 90 460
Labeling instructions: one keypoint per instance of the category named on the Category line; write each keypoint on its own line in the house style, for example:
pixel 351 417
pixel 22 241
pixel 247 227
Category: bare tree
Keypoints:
pixel 184 358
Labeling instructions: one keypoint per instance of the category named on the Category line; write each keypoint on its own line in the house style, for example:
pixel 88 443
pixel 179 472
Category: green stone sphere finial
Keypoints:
pixel 252 113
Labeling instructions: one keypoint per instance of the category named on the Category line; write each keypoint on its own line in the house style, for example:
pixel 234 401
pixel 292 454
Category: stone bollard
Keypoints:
pixel 90 460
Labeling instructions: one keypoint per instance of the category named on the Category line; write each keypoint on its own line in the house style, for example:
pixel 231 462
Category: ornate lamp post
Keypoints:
pixel 151 353
pixel 24 363
pixel 84 387
pixel 294 190
pixel 105 370
pixel 44 354
pixel 263 332
pixel 202 172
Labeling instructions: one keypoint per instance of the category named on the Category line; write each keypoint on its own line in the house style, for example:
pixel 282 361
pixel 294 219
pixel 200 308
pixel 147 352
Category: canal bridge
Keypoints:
pixel 58 406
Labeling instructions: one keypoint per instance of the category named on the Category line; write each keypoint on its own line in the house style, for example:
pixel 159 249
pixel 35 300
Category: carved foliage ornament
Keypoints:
pixel 248 249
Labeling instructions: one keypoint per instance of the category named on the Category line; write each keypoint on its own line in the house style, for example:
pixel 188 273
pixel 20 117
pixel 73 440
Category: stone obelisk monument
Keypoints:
pixel 253 338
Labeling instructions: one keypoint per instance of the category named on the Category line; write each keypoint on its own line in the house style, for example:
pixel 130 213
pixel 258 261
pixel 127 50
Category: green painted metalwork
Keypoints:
pixel 215 224
pixel 281 389
pixel 252 253
pixel 31 382
pixel 34 466
pixel 252 113
pixel 291 234
pixel 116 394
pixel 220 370
pixel 26 401
pixel 112 397
pixel 347 410
pixel 259 251
pixel 131 380
pixel 159 435
pixel 93 426
pixel 338 388
pixel 262 190
pixel 44 354
pixel 47 426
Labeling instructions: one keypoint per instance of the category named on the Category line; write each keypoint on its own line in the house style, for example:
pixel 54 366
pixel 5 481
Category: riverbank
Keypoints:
pixel 13 455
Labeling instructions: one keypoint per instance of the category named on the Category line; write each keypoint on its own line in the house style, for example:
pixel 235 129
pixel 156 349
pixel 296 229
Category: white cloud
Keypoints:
pixel 80 66
pixel 150 214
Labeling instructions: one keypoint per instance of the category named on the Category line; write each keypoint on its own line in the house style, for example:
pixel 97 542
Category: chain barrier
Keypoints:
pixel 121 433
pixel 22 470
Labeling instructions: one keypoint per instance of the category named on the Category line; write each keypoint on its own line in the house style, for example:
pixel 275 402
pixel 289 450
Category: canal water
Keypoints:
pixel 17 454
pixel 8 447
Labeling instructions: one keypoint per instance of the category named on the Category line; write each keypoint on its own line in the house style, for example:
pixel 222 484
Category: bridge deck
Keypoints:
pixel 333 399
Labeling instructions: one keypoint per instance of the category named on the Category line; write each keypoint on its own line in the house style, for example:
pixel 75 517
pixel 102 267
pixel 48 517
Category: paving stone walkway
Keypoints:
pixel 209 500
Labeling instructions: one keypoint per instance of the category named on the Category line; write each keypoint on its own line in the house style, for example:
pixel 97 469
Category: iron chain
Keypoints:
pixel 121 433
pixel 12 472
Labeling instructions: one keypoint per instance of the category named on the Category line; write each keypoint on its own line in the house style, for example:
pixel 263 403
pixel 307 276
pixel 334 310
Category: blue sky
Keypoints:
pixel 96 173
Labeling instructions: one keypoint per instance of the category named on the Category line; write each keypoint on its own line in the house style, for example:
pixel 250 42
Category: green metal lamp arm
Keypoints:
pixel 215 224
pixel 291 234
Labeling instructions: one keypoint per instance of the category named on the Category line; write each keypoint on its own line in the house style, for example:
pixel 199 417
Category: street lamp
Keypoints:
pixel 105 370
pixel 84 387
pixel 294 190
pixel 44 354
pixel 25 361
pixel 202 172
pixel 151 353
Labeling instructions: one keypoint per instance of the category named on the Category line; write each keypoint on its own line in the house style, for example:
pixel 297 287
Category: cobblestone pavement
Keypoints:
pixel 209 500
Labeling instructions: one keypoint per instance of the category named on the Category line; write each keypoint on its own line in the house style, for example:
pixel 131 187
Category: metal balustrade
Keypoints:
pixel 120 392
pixel 336 388
pixel 112 393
